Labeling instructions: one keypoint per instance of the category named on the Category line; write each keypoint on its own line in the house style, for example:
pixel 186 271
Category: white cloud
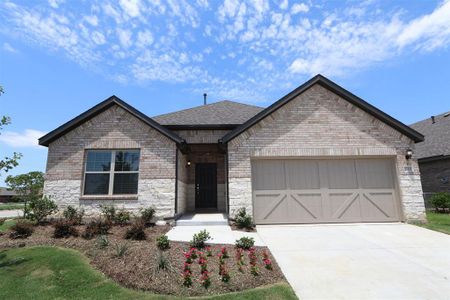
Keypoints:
pixel 131 7
pixel 124 37
pixel 27 138
pixel 8 48
pixel 55 3
pixel 144 39
pixel 98 38
pixel 284 4
pixel 299 8
pixel 93 20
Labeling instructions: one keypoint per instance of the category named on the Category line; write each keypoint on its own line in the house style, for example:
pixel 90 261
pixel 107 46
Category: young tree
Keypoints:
pixel 7 163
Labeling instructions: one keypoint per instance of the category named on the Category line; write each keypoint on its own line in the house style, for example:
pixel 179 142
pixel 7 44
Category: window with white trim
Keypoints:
pixel 111 172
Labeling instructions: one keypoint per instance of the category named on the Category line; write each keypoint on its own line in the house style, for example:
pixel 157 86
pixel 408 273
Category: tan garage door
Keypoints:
pixel 324 191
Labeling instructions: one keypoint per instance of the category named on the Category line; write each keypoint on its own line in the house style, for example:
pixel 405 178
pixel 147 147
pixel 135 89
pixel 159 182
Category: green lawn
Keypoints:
pixel 438 222
pixel 10 206
pixel 6 225
pixel 50 273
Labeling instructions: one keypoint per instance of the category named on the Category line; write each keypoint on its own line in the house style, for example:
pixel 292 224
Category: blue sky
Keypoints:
pixel 59 58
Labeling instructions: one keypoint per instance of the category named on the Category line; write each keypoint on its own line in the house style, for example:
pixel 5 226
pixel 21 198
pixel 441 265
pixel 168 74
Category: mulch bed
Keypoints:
pixel 235 227
pixel 138 268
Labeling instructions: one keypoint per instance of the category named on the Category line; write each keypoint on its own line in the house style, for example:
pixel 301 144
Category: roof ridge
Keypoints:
pixel 204 105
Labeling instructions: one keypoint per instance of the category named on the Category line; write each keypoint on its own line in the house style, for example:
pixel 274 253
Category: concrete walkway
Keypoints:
pixel 11 213
pixel 221 234
pixel 362 261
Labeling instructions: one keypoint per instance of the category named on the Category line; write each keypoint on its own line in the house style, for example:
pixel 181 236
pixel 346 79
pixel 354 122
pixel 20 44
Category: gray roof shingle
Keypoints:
pixel 437 136
pixel 223 112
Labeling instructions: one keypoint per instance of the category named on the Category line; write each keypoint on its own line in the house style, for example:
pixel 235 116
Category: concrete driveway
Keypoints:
pixel 362 261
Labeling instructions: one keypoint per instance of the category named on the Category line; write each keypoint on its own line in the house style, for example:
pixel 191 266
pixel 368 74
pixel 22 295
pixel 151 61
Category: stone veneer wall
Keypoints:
pixel 114 128
pixel 318 123
pixel 182 183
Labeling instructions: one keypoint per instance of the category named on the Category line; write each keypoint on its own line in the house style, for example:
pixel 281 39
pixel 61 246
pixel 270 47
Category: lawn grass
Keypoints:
pixel 5 226
pixel 50 273
pixel 438 222
pixel 11 206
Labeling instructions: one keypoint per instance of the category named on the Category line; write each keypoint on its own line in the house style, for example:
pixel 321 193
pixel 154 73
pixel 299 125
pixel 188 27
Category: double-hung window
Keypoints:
pixel 111 172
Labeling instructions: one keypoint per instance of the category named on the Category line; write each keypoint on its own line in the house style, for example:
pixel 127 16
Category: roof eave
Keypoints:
pixel 328 84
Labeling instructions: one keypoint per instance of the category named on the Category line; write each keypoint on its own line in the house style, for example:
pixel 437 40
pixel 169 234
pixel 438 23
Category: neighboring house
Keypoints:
pixel 6 195
pixel 433 154
pixel 319 154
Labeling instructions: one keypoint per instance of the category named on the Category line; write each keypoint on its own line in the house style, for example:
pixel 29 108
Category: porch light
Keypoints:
pixel 188 164
pixel 409 154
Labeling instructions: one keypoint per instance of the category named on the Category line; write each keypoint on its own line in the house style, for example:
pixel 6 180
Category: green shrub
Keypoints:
pixel 2 220
pixel 245 242
pixel 121 249
pixel 109 212
pixel 136 231
pixel 39 208
pixel 96 227
pixel 243 220
pixel 440 201
pixel 102 241
pixel 162 242
pixel 199 239
pixel 64 229
pixel 147 215
pixel 163 262
pixel 21 230
pixel 73 215
pixel 122 217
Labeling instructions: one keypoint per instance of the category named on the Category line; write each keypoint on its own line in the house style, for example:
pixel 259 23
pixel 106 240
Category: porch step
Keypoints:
pixel 202 219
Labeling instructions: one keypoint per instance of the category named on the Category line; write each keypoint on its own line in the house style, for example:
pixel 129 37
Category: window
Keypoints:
pixel 111 172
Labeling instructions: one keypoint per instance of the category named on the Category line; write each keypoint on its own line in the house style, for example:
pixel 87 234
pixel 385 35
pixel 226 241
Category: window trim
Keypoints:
pixel 110 172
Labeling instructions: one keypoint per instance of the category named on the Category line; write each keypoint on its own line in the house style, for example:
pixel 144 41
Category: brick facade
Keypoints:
pixel 318 123
pixel 435 176
pixel 114 128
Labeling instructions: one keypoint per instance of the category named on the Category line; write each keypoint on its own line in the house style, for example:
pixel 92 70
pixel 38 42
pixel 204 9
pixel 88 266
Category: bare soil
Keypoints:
pixel 138 268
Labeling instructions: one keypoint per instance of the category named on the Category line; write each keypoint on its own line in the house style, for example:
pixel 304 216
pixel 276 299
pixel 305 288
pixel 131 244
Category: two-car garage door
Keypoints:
pixel 324 190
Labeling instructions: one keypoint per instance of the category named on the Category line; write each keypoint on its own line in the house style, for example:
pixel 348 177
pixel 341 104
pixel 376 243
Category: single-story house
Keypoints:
pixel 7 195
pixel 319 154
pixel 433 154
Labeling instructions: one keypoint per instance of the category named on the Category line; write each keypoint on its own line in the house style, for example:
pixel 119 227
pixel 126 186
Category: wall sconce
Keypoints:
pixel 188 164
pixel 409 154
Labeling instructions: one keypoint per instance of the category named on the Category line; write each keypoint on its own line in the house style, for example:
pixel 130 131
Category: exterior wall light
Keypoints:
pixel 409 154
pixel 188 164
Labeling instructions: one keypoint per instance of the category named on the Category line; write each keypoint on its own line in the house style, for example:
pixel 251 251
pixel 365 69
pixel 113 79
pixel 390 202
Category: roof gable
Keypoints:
pixel 219 113
pixel 99 108
pixel 328 84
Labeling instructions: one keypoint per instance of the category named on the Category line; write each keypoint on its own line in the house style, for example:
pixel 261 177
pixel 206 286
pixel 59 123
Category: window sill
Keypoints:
pixel 106 197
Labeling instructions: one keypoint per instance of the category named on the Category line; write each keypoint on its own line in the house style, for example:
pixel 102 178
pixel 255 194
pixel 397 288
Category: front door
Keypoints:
pixel 206 185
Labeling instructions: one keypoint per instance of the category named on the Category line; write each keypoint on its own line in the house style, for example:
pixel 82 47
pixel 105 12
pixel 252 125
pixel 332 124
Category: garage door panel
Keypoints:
pixel 379 206
pixel 302 174
pixel 341 174
pixel 270 207
pixel 305 206
pixel 375 174
pixel 270 175
pixel 344 206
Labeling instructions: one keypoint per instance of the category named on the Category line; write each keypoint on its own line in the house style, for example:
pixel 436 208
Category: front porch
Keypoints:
pixel 201 184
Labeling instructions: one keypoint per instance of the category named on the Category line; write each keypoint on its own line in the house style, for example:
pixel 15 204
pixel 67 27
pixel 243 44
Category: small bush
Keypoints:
pixel 102 241
pixel 243 220
pixel 122 217
pixel 39 208
pixel 109 212
pixel 2 221
pixel 121 249
pixel 440 201
pixel 199 239
pixel 245 243
pixel 64 229
pixel 96 227
pixel 21 230
pixel 136 231
pixel 147 215
pixel 73 215
pixel 163 262
pixel 162 242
